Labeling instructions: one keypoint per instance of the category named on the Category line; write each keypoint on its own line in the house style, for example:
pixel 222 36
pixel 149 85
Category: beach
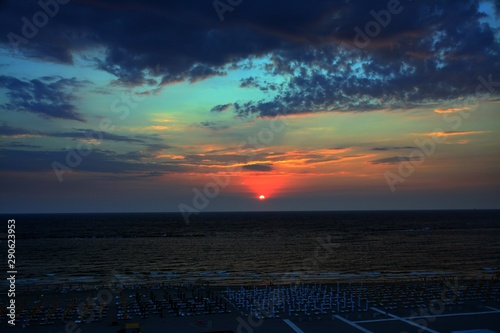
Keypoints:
pixel 431 304
pixel 254 272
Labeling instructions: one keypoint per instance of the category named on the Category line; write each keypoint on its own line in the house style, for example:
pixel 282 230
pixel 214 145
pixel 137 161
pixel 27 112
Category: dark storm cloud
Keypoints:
pixel 181 40
pixel 428 52
pixel 258 167
pixel 201 72
pixel 431 51
pixel 49 96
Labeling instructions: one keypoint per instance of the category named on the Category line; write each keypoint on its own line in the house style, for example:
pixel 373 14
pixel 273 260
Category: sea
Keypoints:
pixel 245 248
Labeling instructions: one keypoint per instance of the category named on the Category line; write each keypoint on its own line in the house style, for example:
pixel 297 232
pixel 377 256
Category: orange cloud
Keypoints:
pixel 158 128
pixel 455 133
pixel 163 120
pixel 172 157
pixel 450 110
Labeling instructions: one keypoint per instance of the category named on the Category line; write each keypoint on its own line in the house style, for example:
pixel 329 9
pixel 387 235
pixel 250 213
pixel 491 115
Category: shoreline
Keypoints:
pixel 270 279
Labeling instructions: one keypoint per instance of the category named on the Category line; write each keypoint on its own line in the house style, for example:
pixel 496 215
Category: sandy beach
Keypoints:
pixel 419 305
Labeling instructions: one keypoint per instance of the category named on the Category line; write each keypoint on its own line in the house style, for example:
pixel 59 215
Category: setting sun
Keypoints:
pixel 262 197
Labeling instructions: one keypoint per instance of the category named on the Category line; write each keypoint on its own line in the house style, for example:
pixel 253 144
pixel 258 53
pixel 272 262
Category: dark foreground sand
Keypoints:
pixel 420 305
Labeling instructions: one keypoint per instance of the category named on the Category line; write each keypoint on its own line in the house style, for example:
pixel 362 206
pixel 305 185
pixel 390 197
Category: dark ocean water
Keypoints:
pixel 236 248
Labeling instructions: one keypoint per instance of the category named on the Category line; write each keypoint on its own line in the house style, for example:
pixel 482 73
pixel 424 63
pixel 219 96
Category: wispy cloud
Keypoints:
pixel 77 133
pixel 392 148
pixel 450 110
pixel 99 161
pixel 393 160
pixel 456 133
pixel 258 167
pixel 49 97
pixel 221 108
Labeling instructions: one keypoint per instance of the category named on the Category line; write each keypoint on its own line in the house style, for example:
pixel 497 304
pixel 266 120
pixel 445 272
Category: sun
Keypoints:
pixel 262 197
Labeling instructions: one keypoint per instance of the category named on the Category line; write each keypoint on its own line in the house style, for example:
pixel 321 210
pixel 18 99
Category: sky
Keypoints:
pixel 198 106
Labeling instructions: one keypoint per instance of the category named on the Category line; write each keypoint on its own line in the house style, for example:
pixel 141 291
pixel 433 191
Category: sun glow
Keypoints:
pixel 266 185
pixel 262 197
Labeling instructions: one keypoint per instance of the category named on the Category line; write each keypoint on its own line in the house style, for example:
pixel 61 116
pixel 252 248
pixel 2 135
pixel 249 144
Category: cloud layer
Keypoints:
pixel 49 96
pixel 428 51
